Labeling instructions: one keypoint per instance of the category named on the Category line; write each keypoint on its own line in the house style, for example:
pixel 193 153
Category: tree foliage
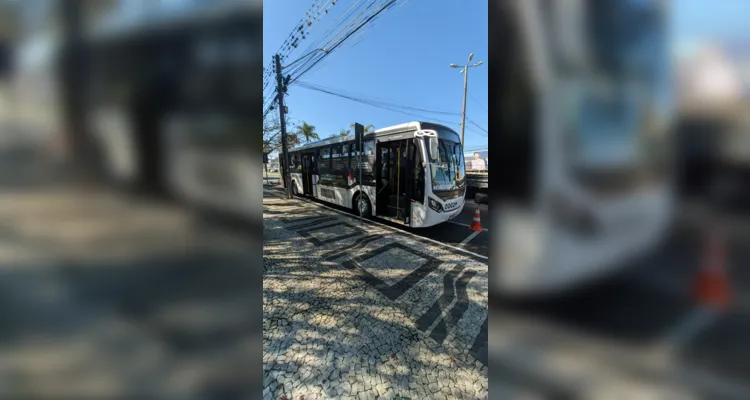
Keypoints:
pixel 272 133
pixel 299 133
pixel 307 131
pixel 350 131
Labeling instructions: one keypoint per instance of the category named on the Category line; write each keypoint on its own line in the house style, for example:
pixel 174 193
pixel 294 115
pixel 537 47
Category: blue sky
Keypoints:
pixel 402 58
pixel 696 21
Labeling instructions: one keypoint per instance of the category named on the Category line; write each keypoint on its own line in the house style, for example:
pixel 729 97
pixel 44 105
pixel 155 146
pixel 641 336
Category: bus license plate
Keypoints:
pixel 451 206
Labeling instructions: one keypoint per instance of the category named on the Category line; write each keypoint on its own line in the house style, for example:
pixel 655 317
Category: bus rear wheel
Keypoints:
pixel 362 205
pixel 294 189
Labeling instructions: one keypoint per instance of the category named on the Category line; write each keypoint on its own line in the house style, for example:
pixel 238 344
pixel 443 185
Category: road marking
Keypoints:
pixel 447 310
pixel 400 231
pixel 464 225
pixel 470 237
pixel 435 314
pixel 690 327
pixel 479 347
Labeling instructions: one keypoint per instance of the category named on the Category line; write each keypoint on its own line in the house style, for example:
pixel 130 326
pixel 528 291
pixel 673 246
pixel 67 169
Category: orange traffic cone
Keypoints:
pixel 711 285
pixel 476 225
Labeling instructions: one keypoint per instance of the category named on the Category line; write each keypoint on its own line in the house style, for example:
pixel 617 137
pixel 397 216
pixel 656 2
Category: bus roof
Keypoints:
pixel 405 127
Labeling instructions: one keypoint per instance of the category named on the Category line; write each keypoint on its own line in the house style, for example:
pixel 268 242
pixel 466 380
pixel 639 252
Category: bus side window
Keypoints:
pixel 368 161
pixel 324 165
pixel 352 154
pixel 369 148
pixel 339 161
pixel 293 162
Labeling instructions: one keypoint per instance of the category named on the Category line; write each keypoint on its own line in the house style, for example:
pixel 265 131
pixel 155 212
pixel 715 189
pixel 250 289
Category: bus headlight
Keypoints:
pixel 435 205
pixel 573 216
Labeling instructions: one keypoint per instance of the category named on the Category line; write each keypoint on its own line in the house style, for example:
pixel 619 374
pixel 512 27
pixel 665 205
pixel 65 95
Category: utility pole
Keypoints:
pixel 465 71
pixel 281 84
pixel 265 167
pixel 359 133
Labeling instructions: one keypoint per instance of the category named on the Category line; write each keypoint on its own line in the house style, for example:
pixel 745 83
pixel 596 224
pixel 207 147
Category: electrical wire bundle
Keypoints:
pixel 351 23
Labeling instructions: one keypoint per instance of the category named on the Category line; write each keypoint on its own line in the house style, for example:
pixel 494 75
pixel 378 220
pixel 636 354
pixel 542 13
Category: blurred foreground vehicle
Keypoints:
pixel 174 102
pixel 585 105
pixel 168 96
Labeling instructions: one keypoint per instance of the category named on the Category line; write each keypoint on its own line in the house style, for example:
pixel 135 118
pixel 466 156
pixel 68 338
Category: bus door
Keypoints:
pixel 308 161
pixel 415 184
pixel 393 180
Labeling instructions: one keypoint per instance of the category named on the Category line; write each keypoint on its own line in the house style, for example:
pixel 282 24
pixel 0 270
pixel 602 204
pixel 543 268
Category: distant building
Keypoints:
pixel 715 79
pixel 708 81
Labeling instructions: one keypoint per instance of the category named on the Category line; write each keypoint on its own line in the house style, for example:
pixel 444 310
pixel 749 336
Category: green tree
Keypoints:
pixel 272 134
pixel 307 131
pixel 347 132
pixel 367 129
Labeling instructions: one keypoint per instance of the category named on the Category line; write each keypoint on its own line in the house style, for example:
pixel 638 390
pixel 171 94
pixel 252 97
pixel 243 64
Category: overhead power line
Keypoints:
pixel 478 126
pixel 399 108
pixel 390 108
pixel 356 24
pixel 300 32
pixel 360 15
pixel 379 101
pixel 477 101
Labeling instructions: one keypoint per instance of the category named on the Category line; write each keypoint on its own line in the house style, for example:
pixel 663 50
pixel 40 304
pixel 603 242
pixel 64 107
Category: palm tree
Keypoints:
pixel 347 132
pixel 307 131
pixel 367 129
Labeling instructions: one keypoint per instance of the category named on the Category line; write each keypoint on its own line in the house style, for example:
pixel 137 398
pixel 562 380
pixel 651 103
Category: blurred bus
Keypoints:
pixel 172 99
pixel 583 95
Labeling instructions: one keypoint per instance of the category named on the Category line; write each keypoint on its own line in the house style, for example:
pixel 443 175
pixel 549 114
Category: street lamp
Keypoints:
pixel 465 71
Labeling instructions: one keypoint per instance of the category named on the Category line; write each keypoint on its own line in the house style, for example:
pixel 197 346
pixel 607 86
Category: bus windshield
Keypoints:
pixel 630 85
pixel 447 171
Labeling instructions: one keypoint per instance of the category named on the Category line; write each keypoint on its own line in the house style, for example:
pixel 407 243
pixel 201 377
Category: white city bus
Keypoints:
pixel 412 174
pixel 583 97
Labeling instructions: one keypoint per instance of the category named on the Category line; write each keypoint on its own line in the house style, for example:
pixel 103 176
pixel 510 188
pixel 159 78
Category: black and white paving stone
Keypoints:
pixel 360 311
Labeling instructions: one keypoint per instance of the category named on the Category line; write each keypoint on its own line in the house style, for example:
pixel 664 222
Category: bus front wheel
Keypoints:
pixel 362 205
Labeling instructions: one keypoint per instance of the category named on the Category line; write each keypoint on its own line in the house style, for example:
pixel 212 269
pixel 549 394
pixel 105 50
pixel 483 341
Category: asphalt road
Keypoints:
pixel 456 232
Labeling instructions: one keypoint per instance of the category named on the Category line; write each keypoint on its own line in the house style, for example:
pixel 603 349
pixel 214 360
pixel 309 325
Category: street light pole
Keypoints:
pixel 465 71
pixel 463 107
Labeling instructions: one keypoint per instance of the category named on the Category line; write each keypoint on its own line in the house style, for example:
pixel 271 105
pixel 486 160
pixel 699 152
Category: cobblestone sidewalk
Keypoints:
pixel 367 313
